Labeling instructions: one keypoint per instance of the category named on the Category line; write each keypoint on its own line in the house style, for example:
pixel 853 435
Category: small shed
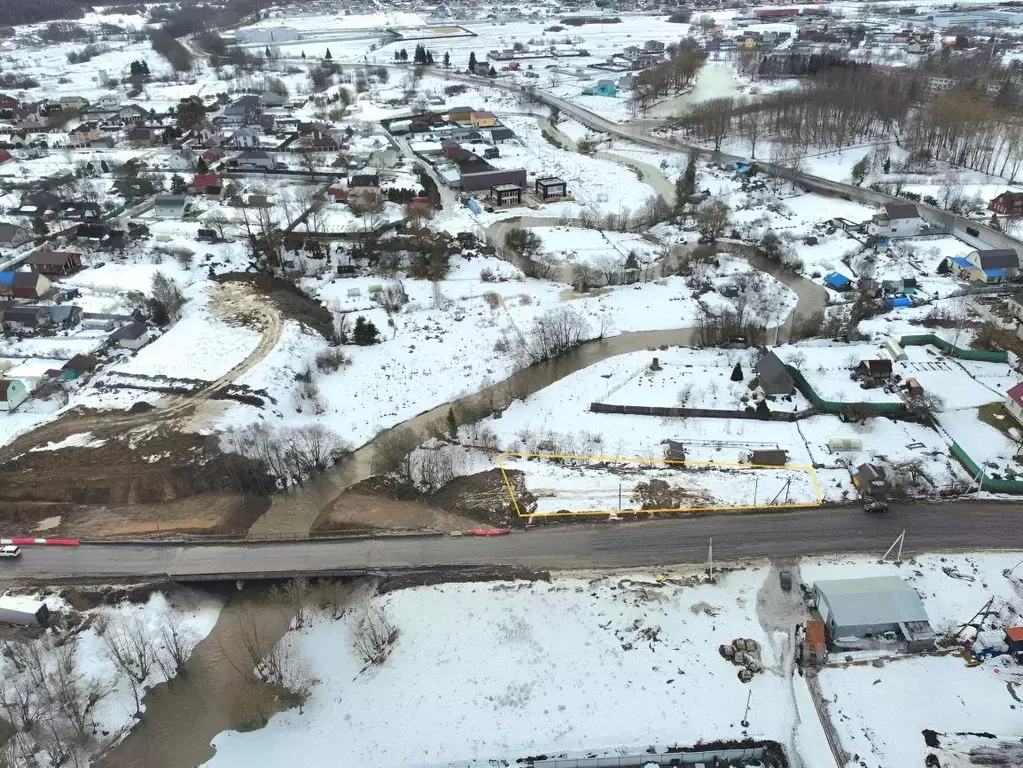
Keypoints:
pixel 815 647
pixel 12 394
pixel 132 336
pixel 1014 639
pixel 550 187
pixel 506 194
pixel 770 457
pixel 674 451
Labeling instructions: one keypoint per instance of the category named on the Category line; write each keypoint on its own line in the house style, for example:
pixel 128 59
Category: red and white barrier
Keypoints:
pixel 48 542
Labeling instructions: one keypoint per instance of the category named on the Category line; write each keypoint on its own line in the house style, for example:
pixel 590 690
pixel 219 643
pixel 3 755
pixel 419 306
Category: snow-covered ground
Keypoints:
pixel 629 663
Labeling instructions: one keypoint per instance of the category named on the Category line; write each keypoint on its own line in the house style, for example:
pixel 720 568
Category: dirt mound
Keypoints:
pixel 287 299
pixel 485 497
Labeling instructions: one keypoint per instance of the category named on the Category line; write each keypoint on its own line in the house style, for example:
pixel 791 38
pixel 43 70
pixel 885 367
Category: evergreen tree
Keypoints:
pixel 178 185
pixel 103 166
pixel 365 333
pixel 397 55
pixel 201 167
pixel 429 57
pixel 452 424
pixel 860 170
pixel 327 55
pixel 39 226
pixel 303 54
pixel 472 61
pixel 737 372
pixel 493 72
pixel 762 409
pixel 266 53
pixel 447 59
pixel 887 165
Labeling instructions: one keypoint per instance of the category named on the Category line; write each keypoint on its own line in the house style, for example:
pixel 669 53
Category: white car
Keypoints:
pixel 10 551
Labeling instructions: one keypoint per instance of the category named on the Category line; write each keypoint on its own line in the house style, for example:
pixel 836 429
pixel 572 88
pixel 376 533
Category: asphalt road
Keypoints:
pixel 943 527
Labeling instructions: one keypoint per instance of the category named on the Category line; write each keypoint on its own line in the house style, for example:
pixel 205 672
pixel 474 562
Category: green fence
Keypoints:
pixel 998 356
pixel 830 406
pixel 986 483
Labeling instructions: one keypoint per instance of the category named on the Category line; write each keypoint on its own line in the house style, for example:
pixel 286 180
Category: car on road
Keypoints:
pixel 10 550
pixel 874 506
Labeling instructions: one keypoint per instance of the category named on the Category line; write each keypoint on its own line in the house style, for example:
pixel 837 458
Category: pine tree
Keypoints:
pixel 178 185
pixel 397 55
pixel 472 61
pixel 447 59
pixel 266 53
pixel 493 72
pixel 737 372
pixel 327 56
pixel 365 333
pixel 201 167
pixel 103 166
pixel 303 54
pixel 452 424
pixel 762 409
pixel 429 57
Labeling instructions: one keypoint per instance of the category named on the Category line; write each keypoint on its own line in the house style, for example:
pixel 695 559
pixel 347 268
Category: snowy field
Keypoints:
pixel 584 684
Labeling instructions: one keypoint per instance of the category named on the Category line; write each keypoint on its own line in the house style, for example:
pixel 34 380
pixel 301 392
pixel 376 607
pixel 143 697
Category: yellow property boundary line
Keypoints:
pixel 620 459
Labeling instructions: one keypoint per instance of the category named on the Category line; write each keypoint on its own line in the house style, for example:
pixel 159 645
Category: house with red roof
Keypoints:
pixel 1014 402
pixel 5 156
pixel 208 184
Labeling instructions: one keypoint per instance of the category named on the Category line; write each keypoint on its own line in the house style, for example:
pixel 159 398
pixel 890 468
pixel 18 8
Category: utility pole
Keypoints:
pixel 898 542
pixel 710 559
pixel 745 717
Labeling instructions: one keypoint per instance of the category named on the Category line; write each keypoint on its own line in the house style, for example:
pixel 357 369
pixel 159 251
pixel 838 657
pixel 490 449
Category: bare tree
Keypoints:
pixel 167 293
pixel 392 452
pixel 293 593
pixel 178 644
pixel 128 645
pixel 374 635
pixel 554 333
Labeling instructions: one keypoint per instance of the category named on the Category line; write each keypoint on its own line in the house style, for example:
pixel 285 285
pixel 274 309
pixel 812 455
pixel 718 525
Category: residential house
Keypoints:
pixel 627 82
pixel 169 206
pixel 243 110
pixel 631 52
pixel 991 265
pixel 212 155
pixel 896 220
pixel 72 102
pixel 129 114
pixel 208 184
pixel 244 138
pixel 483 119
pixel 506 194
pixel 479 176
pixel 104 321
pixel 646 60
pixel 253 159
pixel 491 152
pixel 12 394
pixel 8 103
pixel 460 114
pixel 871 479
pixel 25 318
pixel 24 285
pixel 653 46
pixel 143 136
pixel 178 162
pixel 550 187
pixel 387 157
pixel 363 188
pixel 55 262
pixel 132 336
pixel 482 68
pixel 880 368
pixel 80 210
pixel 271 100
pixel 5 156
pixel 83 135
pixel 13 236
pixel 502 135
pixel 606 87
pixel 64 315
pixel 773 376
pixel 1007 203
pixel 1014 402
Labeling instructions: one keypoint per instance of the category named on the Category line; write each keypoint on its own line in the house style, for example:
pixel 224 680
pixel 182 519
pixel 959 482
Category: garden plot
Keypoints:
pixel 581 684
pixel 580 486
pixel 828 368
pixel 695 378
pixel 596 248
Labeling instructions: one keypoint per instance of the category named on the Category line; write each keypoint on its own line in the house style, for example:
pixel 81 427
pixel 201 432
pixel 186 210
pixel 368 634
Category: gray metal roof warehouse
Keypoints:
pixel 868 607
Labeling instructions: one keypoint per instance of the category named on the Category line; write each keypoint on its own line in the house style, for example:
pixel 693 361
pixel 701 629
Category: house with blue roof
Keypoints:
pixel 991 265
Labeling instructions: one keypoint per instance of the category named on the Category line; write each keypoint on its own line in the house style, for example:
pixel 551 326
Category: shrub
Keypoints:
pixel 333 359
pixel 493 299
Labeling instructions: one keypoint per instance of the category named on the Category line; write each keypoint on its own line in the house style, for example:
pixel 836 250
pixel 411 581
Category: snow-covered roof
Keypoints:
pixel 876 600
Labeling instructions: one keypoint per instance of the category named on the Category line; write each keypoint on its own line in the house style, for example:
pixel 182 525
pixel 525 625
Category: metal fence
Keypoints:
pixel 699 413
pixel 669 759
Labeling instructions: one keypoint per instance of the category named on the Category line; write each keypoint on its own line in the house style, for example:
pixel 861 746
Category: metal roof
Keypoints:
pixel 873 600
